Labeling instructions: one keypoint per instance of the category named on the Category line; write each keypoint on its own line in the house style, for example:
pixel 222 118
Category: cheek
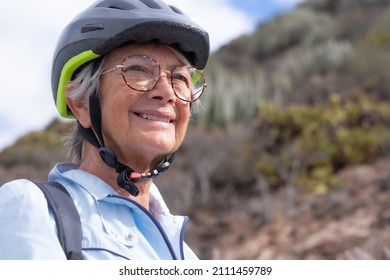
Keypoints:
pixel 182 124
pixel 116 96
pixel 115 106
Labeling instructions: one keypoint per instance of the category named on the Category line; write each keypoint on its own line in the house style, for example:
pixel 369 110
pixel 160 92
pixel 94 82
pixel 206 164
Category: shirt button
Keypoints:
pixel 129 237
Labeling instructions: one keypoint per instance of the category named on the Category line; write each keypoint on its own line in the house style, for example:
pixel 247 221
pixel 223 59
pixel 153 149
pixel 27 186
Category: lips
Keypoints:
pixel 159 117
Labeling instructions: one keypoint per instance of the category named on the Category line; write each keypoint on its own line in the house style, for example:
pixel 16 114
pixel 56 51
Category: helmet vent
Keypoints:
pixel 151 4
pixel 119 8
pixel 176 10
pixel 119 5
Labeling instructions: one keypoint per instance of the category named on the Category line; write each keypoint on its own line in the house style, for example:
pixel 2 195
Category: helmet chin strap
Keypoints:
pixel 127 177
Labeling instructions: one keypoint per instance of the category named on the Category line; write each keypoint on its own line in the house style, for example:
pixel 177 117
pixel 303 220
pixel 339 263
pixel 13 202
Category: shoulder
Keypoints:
pixel 20 187
pixel 22 199
pixel 21 192
pixel 28 229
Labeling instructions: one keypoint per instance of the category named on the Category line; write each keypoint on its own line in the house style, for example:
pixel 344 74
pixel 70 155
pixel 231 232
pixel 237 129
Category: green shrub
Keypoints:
pixel 40 149
pixel 303 63
pixel 309 144
pixel 300 27
pixel 368 68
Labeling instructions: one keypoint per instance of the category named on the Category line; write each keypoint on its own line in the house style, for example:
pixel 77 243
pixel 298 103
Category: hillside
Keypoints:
pixel 290 157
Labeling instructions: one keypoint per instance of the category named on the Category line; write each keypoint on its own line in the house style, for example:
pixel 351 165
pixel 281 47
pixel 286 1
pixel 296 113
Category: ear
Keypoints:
pixel 79 108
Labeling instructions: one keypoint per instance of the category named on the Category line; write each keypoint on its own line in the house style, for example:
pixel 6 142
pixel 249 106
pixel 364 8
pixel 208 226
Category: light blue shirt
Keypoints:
pixel 113 226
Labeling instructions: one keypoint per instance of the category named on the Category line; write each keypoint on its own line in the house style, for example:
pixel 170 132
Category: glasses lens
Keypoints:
pixel 140 72
pixel 188 83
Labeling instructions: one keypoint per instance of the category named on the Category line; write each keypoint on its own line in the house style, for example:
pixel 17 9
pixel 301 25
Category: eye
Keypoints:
pixel 182 78
pixel 135 68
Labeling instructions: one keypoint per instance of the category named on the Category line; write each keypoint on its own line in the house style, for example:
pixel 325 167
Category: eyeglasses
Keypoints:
pixel 142 73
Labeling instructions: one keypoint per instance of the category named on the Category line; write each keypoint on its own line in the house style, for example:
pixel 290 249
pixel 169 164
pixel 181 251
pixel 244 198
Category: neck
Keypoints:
pixel 92 163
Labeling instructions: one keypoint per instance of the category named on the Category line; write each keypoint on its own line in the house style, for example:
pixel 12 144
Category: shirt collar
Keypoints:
pixel 69 173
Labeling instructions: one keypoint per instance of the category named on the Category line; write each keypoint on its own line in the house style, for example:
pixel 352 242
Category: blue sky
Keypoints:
pixel 263 10
pixel 28 41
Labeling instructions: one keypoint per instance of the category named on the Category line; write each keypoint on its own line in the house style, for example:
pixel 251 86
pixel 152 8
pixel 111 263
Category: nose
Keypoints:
pixel 163 90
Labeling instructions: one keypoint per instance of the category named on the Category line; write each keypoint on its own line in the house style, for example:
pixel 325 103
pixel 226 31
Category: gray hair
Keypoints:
pixel 86 83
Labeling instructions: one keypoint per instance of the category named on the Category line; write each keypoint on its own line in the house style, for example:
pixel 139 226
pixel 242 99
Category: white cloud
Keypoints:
pixel 218 17
pixel 29 33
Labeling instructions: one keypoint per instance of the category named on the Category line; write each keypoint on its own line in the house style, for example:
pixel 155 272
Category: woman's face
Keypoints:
pixel 142 127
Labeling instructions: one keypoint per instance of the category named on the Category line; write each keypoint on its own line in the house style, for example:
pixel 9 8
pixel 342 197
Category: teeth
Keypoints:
pixel 154 118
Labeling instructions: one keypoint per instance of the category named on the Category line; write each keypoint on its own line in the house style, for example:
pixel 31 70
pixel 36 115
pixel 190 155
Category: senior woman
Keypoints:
pixel 126 70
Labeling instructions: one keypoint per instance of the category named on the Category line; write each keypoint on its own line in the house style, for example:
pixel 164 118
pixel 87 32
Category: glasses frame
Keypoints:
pixel 121 67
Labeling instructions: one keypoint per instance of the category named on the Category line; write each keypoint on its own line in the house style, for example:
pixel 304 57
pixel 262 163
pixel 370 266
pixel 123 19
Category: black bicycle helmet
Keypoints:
pixel 108 24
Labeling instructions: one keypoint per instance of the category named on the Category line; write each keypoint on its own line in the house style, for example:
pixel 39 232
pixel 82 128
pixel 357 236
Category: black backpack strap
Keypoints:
pixel 66 216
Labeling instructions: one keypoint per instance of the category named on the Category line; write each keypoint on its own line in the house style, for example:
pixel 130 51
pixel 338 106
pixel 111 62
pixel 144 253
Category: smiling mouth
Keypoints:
pixel 154 118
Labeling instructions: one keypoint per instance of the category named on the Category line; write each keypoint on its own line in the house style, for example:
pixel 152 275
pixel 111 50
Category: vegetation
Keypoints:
pixel 322 47
pixel 320 75
pixel 41 149
pixel 307 145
